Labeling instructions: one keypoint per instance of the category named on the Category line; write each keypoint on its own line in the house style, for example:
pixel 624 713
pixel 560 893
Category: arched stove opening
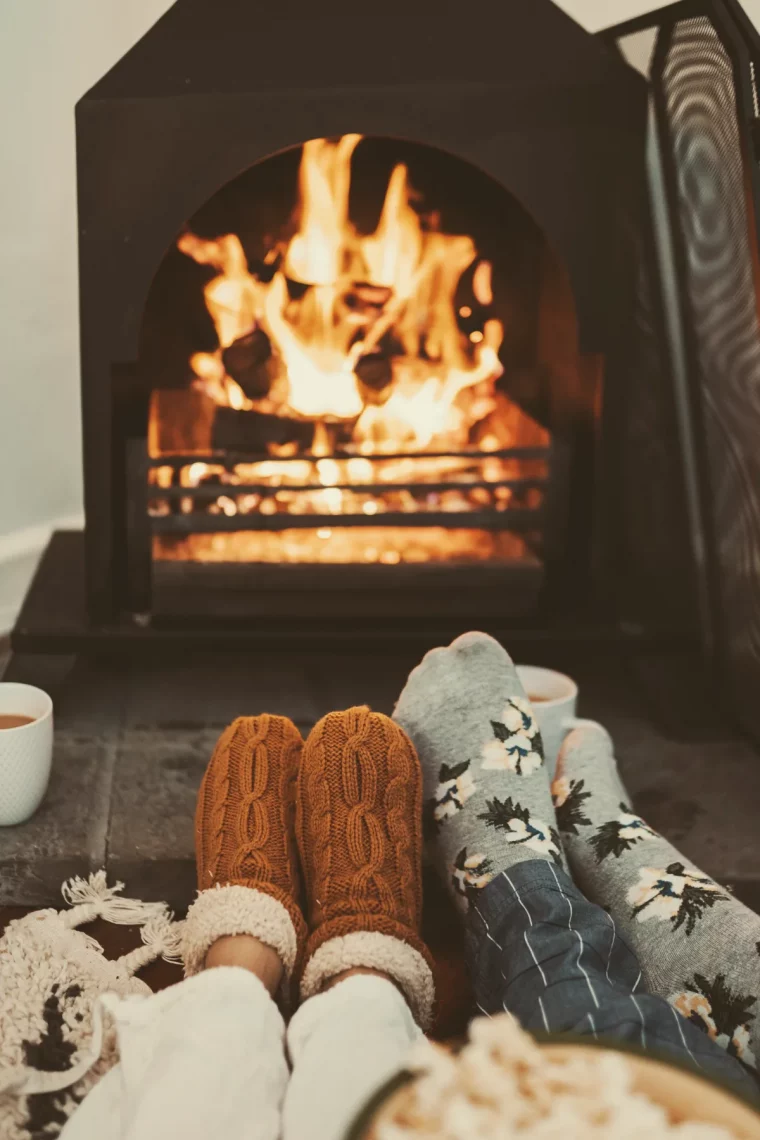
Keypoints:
pixel 358 352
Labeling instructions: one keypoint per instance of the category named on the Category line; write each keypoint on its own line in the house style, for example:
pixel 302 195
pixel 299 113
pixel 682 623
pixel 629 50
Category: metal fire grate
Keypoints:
pixel 179 510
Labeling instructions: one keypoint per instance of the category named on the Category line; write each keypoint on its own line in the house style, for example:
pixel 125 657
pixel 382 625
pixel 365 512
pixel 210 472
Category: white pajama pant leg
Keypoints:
pixel 343 1045
pixel 205 1059
pixel 202 1060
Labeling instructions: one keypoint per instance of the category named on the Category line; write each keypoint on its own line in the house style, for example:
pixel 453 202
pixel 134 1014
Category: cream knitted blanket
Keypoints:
pixel 54 1043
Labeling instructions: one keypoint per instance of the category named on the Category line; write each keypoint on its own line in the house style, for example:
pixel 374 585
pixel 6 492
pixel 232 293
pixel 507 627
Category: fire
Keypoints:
pixel 320 339
pixel 315 253
pixel 360 336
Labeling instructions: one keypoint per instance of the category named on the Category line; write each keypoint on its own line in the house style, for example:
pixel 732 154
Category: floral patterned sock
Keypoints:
pixel 697 946
pixel 487 798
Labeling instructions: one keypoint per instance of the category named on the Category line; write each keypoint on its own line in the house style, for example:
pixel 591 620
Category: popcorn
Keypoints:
pixel 503 1084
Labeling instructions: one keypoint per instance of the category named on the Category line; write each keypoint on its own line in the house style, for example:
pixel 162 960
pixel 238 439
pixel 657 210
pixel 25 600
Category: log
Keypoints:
pixel 253 431
pixel 247 361
pixel 180 422
pixel 374 370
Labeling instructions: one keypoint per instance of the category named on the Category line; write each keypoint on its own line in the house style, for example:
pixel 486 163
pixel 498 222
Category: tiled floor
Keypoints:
pixel 132 743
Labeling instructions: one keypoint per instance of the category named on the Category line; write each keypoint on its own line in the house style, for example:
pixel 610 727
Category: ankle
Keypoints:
pixel 355 971
pixel 248 953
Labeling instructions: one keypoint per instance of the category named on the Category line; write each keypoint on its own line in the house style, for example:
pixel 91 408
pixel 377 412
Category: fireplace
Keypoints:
pixel 347 315
pixel 347 384
pixel 373 341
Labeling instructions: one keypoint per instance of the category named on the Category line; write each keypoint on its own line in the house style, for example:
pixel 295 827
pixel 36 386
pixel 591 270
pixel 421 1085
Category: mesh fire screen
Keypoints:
pixel 704 108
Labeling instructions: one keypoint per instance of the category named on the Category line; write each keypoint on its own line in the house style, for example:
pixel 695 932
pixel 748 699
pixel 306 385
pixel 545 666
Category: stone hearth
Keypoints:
pixel 132 741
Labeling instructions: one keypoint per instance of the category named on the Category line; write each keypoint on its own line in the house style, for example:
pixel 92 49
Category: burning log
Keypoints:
pixel 188 422
pixel 248 361
pixel 253 431
pixel 180 422
pixel 375 374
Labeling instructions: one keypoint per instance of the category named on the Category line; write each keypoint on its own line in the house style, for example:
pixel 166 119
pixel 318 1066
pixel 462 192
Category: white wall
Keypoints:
pixel 51 51
pixel 597 14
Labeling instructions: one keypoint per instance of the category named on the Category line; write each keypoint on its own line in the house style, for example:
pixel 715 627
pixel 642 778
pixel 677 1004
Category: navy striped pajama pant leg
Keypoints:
pixel 537 948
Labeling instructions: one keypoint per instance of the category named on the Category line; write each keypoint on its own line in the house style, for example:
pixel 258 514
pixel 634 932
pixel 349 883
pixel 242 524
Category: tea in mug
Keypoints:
pixel 14 720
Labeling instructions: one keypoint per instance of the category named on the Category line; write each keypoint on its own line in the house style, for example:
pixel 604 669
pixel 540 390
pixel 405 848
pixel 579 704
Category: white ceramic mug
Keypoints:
pixel 26 752
pixel 554 697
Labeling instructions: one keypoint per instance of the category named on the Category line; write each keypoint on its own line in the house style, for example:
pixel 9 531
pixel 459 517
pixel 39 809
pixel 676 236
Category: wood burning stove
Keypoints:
pixel 345 313
pixel 371 333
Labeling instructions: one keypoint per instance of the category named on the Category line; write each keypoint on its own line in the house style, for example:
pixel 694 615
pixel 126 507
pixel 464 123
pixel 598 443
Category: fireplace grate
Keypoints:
pixel 178 509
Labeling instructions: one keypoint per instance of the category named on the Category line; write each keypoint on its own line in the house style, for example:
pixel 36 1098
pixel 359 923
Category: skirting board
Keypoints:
pixel 20 551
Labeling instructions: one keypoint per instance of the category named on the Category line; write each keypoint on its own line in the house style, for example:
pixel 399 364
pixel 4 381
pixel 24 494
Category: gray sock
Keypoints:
pixel 487 797
pixel 697 946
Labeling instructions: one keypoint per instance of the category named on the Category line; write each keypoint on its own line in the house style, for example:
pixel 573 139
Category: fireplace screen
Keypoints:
pixel 344 357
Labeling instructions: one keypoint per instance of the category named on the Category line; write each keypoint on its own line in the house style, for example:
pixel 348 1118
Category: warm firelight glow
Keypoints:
pixel 366 343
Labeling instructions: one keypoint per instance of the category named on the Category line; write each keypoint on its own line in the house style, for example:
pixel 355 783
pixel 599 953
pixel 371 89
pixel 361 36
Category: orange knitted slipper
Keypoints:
pixel 359 831
pixel 248 880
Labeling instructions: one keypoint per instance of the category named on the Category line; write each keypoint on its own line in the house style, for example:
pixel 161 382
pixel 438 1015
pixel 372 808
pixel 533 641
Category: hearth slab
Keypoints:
pixel 53 621
pixel 69 834
pixel 203 690
pixel 132 742
pixel 150 842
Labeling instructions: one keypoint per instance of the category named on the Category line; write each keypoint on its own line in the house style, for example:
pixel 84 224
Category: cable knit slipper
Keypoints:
pixel 359 830
pixel 248 880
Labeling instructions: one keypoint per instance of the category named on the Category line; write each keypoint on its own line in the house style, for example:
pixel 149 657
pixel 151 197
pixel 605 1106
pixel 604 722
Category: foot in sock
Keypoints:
pixel 359 831
pixel 248 877
pixel 698 947
pixel 487 799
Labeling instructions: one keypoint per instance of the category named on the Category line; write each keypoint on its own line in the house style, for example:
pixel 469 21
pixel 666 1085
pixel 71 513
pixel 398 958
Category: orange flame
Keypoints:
pixel 315 337
pixel 437 386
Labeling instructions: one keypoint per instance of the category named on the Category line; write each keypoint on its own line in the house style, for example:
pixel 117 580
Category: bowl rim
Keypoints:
pixel 359 1126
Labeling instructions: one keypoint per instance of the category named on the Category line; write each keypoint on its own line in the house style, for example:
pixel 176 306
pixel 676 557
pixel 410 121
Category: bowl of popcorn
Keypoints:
pixel 503 1083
